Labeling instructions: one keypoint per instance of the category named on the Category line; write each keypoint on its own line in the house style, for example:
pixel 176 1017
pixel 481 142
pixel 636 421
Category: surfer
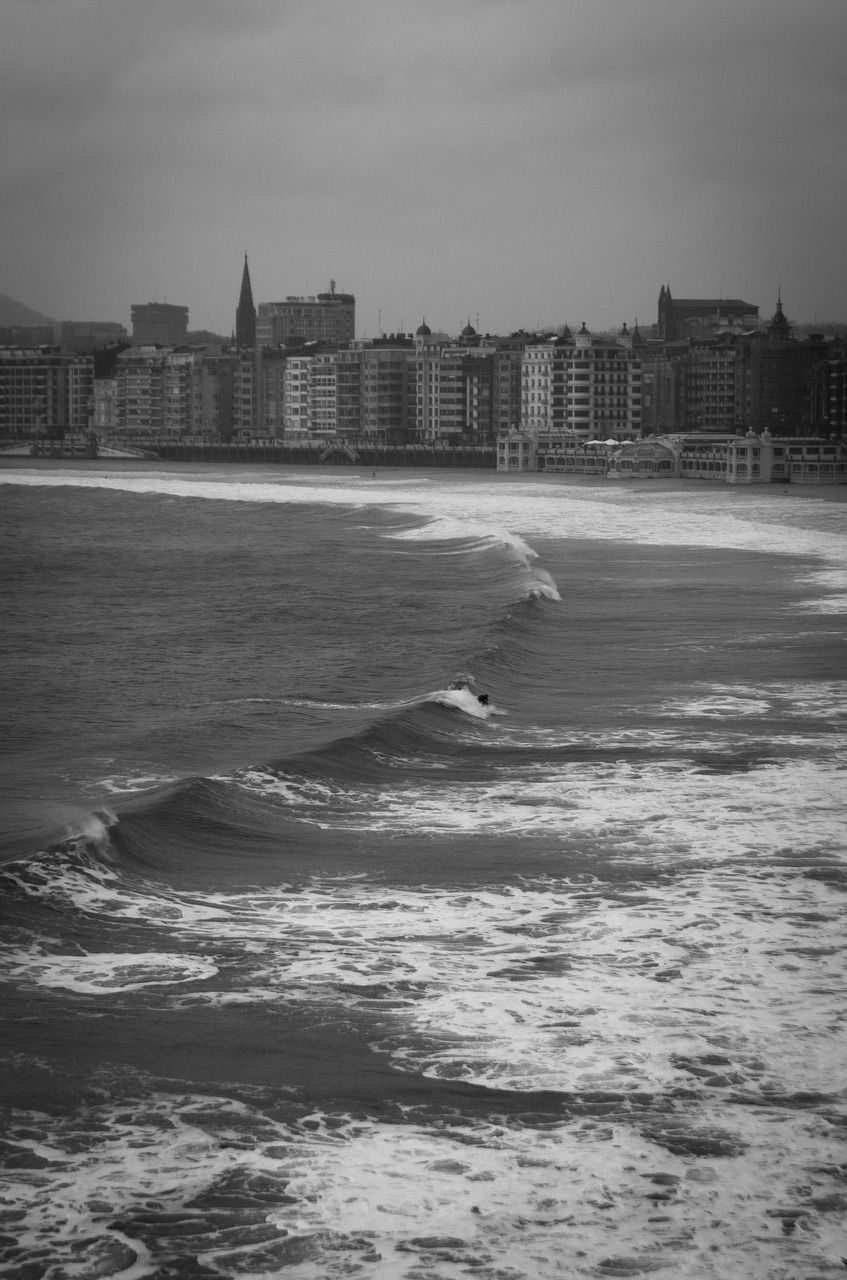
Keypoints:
pixel 483 698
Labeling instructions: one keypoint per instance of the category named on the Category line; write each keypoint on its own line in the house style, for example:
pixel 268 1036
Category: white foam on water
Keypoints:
pixel 463 700
pixel 102 973
pixel 303 791
pixel 715 517
pixel 461 508
pixel 697 1007
pixel 129 784
pixel 94 828
pixel 822 700
pixel 656 811
pixel 572 1200
pixel 591 1193
pixel 697 974
pixel 484 536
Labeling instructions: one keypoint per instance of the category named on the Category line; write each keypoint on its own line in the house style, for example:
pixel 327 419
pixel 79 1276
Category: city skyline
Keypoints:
pixel 515 164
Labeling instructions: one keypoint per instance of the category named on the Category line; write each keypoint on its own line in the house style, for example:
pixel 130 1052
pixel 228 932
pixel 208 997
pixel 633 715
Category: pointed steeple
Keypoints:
pixel 245 316
pixel 779 330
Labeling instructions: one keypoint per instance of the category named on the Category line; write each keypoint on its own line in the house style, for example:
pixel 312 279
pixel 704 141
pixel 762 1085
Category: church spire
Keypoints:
pixel 245 316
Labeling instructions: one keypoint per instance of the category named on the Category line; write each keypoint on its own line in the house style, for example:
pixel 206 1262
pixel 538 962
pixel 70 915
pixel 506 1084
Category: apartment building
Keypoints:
pixel 297 387
pixel 828 394
pixel 105 405
pixel 177 389
pixel 45 392
pixel 244 389
pixel 348 392
pixel 324 394
pixel 212 385
pixel 385 389
pixel 87 335
pixel 712 385
pixel 270 391
pixel 591 387
pixel 778 376
pixel 140 391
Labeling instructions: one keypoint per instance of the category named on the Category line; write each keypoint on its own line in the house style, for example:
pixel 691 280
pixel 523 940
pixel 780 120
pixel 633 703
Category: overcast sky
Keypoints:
pixel 512 162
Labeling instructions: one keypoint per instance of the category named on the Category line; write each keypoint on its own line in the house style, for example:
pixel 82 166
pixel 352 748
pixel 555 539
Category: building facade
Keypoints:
pixel 736 459
pixel 87 335
pixel 778 377
pixel 591 387
pixel 681 318
pixel 212 394
pixel 159 324
pixel 45 392
pixel 326 317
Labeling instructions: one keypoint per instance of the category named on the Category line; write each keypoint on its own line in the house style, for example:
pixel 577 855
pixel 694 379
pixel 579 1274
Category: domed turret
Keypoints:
pixel 423 331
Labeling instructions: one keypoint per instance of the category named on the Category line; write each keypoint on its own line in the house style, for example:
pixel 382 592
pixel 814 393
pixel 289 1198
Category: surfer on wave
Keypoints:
pixel 463 686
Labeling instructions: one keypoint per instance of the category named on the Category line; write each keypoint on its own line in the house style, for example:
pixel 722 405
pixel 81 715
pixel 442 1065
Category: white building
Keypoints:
pixel 588 386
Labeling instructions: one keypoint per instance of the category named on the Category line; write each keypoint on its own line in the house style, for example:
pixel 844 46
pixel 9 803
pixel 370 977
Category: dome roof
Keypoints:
pixel 469 331
pixel 423 331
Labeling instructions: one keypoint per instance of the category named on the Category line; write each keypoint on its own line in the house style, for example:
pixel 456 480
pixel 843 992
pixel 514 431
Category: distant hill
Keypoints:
pixel 15 315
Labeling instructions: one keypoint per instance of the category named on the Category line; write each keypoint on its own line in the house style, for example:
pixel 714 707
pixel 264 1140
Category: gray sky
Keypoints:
pixel 525 162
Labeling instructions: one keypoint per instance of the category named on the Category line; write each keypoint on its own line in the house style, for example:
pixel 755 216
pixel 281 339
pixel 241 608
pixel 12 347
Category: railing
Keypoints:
pixel 344 451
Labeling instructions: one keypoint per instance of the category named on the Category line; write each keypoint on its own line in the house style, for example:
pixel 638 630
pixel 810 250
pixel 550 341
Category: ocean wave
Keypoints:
pixel 473 535
pixel 712 517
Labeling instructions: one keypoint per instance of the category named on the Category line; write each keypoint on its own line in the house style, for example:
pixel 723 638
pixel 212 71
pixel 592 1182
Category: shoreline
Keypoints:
pixel 246 472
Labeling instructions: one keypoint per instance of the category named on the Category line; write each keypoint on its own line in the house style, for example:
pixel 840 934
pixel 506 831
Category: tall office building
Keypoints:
pixel 327 317
pixel 159 324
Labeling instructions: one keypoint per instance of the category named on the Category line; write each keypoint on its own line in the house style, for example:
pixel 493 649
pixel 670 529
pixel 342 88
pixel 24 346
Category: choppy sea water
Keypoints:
pixel 313 965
